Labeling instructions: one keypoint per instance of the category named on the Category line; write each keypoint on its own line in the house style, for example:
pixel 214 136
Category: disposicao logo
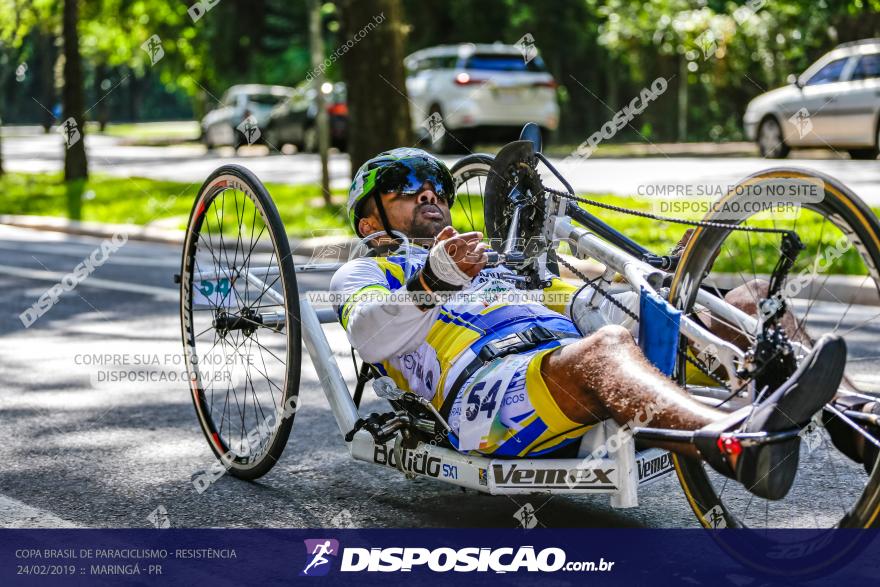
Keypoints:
pixel 318 551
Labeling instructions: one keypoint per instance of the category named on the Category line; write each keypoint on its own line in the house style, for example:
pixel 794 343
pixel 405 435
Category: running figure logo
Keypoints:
pixel 317 551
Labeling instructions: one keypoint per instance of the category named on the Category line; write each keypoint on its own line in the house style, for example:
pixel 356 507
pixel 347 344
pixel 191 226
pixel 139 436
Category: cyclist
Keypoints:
pixel 517 377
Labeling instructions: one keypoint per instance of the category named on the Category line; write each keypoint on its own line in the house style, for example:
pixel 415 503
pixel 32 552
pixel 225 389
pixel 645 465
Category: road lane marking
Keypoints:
pixel 16 514
pixel 160 293
pixel 86 249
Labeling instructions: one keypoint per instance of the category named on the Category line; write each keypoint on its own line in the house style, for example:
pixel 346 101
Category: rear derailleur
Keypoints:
pixel 772 359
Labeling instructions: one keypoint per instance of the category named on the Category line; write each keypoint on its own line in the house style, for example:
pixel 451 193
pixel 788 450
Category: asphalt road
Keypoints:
pixel 90 453
pixel 624 176
pixel 80 451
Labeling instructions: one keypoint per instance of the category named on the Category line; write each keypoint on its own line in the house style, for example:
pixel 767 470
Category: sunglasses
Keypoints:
pixel 408 176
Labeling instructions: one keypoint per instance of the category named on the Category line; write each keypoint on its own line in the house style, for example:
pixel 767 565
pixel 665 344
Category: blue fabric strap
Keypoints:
pixel 658 331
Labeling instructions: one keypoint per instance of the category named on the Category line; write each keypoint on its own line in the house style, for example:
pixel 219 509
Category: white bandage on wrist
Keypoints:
pixel 445 268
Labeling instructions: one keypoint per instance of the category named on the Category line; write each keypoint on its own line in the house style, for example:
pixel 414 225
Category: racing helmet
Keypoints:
pixel 402 170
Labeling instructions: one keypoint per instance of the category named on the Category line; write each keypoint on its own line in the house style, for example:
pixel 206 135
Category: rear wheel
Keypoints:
pixel 272 138
pixel 310 139
pixel 863 154
pixel 834 287
pixel 240 322
pixel 771 141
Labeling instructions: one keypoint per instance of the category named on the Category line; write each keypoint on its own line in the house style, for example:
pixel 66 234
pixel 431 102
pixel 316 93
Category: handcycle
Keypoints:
pixel 240 306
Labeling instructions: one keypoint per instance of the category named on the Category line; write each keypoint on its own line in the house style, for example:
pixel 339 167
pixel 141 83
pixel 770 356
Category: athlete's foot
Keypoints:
pixel 768 470
pixel 849 441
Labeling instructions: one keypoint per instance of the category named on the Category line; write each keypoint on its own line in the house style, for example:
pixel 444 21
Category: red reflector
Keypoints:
pixel 340 109
pixel 729 445
pixel 550 84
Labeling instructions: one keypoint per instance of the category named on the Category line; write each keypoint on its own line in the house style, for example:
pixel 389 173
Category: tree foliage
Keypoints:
pixel 602 52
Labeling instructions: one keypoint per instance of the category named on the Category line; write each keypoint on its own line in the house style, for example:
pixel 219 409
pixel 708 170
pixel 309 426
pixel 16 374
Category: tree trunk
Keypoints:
pixel 75 165
pixel 1 146
pixel 102 107
pixel 316 48
pixel 378 105
pixel 682 99
pixel 47 78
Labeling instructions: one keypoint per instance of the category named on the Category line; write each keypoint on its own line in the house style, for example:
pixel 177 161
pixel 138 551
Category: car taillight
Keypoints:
pixel 338 109
pixel 546 84
pixel 465 79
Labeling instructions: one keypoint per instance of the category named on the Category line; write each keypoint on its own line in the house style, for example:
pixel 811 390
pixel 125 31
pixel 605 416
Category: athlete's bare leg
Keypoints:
pixel 606 375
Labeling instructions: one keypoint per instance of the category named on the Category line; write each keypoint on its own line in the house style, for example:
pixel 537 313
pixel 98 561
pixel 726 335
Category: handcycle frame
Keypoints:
pixel 619 472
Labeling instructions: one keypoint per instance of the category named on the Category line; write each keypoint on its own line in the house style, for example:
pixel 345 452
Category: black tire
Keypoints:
pixel 310 139
pixel 439 144
pixel 206 141
pixel 463 140
pixel 840 210
pixel 863 154
pixel 468 174
pixel 272 138
pixel 245 453
pixel 771 140
pixel 451 140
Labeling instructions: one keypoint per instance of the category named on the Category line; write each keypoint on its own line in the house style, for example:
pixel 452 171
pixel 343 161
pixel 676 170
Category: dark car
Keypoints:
pixel 223 124
pixel 293 122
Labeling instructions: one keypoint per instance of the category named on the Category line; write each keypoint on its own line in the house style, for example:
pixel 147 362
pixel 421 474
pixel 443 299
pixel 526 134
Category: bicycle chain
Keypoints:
pixel 704 223
pixel 622 210
pixel 594 283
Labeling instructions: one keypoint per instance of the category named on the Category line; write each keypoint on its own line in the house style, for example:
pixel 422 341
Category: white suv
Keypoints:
pixel 834 104
pixel 484 92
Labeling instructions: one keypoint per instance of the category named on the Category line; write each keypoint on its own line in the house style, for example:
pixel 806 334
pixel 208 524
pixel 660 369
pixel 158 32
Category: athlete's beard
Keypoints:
pixel 425 229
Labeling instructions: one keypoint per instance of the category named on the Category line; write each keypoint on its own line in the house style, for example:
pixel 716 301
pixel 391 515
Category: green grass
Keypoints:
pixel 165 203
pixel 168 130
pixel 146 201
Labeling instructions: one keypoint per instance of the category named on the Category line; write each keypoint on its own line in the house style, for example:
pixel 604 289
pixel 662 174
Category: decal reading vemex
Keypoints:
pixel 539 476
pixel 654 467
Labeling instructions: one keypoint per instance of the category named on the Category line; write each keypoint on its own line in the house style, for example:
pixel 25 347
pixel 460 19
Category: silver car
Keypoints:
pixel 834 104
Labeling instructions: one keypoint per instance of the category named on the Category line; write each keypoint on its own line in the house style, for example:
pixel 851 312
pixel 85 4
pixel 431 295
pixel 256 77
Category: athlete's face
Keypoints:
pixel 421 216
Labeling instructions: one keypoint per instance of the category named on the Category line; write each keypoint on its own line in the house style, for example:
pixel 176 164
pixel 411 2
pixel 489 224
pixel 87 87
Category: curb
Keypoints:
pixel 825 288
pixel 304 247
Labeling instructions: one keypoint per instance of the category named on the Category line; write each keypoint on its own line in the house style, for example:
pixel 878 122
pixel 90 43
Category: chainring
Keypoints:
pixel 515 165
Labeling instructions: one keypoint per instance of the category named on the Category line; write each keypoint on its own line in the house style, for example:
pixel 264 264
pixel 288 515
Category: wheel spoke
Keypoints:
pixel 252 387
pixel 829 485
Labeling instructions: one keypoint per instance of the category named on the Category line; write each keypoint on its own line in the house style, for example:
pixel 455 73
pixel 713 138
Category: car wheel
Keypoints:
pixel 206 139
pixel 863 154
pixel 271 140
pixel 868 154
pixel 440 142
pixel 770 140
pixel 310 140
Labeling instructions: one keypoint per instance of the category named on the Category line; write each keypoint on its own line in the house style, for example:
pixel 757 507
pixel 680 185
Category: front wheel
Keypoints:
pixel 240 322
